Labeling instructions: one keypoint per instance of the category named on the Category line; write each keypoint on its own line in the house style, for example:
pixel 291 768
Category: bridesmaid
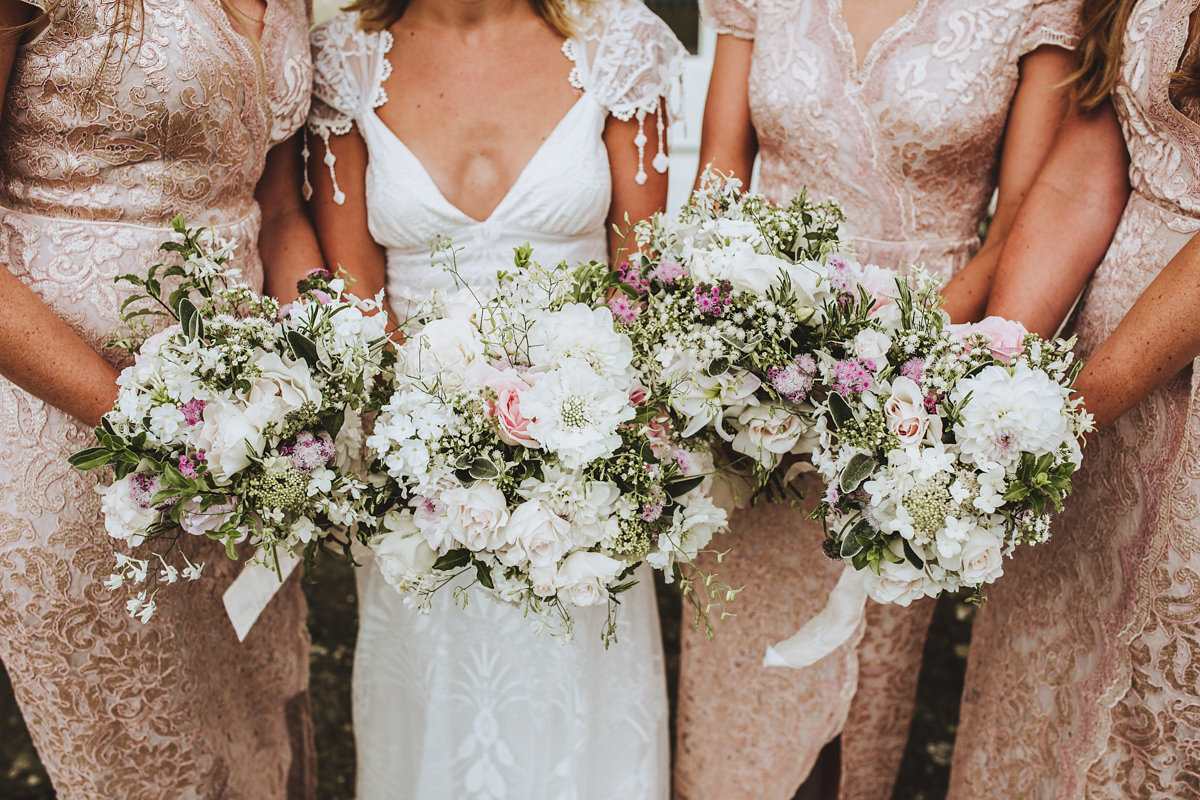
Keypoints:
pixel 909 113
pixel 117 115
pixel 1082 677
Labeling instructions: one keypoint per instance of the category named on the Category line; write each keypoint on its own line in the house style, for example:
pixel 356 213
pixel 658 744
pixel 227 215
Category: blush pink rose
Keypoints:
pixel 1004 336
pixel 506 408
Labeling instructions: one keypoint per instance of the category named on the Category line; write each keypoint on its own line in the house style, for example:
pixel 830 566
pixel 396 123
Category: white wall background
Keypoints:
pixel 685 133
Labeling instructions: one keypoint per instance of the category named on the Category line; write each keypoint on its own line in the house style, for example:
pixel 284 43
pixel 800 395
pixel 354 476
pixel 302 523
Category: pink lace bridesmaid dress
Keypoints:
pixel 1082 680
pixel 105 137
pixel 909 143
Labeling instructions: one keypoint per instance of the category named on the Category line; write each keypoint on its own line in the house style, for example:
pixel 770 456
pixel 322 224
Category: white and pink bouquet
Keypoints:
pixel 943 446
pixel 526 451
pixel 727 302
pixel 239 420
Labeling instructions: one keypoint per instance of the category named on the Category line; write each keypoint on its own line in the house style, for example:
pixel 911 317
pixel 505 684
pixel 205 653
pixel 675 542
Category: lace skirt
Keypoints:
pixel 1082 676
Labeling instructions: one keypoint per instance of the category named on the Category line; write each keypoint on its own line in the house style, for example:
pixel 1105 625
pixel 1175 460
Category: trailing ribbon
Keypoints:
pixel 249 594
pixel 839 623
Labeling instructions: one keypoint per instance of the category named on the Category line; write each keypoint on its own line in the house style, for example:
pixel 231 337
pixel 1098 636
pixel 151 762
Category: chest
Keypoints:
pixel 941 67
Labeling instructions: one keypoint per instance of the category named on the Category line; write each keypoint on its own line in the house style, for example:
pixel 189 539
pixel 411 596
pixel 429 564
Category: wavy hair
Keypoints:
pixel 375 15
pixel 1098 55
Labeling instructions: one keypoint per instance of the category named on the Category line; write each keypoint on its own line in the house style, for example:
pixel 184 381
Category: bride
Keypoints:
pixel 494 122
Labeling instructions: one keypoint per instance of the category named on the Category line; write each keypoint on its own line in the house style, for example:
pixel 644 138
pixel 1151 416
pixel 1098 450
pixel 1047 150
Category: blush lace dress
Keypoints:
pixel 909 144
pixel 1082 680
pixel 97 156
pixel 473 704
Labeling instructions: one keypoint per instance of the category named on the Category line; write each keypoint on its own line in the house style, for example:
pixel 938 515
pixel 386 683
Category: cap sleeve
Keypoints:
pixel 1054 22
pixel 349 68
pixel 630 62
pixel 737 17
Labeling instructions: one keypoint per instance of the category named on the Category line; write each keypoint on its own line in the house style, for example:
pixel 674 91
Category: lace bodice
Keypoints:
pixel 626 62
pixel 1164 159
pixel 142 137
pixel 909 142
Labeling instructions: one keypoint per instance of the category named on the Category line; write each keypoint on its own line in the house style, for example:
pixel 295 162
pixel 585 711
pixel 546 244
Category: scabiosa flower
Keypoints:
pixel 142 488
pixel 310 451
pixel 652 511
pixel 669 271
pixel 575 413
pixel 622 310
pixel 193 411
pixel 711 299
pixel 852 376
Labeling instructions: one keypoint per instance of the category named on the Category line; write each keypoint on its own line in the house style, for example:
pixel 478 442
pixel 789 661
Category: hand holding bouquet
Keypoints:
pixel 239 420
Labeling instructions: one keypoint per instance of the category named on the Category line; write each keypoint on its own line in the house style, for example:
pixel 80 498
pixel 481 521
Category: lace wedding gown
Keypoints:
pixel 908 142
pixel 105 138
pixel 1082 681
pixel 471 703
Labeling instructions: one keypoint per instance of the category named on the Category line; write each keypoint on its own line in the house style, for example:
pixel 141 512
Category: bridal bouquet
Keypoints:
pixel 943 446
pixel 729 298
pixel 527 451
pixel 240 420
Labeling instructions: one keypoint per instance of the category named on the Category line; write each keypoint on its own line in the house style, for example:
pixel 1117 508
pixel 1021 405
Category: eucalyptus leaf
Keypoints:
pixel 840 411
pixel 189 318
pixel 484 469
pixel 851 546
pixel 718 366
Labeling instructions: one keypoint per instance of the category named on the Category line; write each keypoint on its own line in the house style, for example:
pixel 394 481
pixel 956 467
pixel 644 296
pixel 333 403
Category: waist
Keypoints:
pixel 1186 220
pixel 248 218
pixel 939 256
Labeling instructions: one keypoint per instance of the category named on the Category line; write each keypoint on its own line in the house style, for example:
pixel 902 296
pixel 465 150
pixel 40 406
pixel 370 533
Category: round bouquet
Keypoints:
pixel 943 446
pixel 526 450
pixel 239 420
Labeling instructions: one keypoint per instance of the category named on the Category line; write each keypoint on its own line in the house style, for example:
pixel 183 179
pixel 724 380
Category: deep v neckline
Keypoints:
pixel 387 42
pixel 436 190
pixel 860 72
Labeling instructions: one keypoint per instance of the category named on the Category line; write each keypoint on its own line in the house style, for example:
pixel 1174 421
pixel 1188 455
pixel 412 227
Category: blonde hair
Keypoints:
pixel 1098 55
pixel 375 15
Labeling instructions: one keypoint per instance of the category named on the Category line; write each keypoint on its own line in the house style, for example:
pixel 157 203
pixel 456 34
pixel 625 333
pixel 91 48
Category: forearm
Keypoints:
pixel 728 140
pixel 287 242
pixel 966 294
pixel 1157 338
pixel 42 355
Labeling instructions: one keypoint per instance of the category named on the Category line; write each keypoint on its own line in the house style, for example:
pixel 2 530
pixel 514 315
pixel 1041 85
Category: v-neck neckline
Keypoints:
pixel 511 192
pixel 860 72
pixel 250 43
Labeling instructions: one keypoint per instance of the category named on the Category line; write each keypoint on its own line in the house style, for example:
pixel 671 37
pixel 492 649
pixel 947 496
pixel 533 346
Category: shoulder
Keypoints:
pixel 349 64
pixel 625 56
pixel 736 17
pixel 1051 22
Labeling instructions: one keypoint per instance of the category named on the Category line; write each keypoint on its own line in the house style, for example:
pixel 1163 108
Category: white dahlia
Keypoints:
pixel 581 332
pixel 1008 414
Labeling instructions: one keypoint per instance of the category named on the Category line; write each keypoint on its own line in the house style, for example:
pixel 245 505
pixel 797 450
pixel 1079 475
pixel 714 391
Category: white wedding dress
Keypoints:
pixel 472 703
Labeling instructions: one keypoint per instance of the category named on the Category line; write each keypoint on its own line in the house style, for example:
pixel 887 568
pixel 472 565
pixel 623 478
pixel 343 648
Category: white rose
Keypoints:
pixel 402 553
pixel 872 344
pixel 981 558
pixel 200 521
pixel 229 432
pixel 898 583
pixel 443 349
pixel 543 581
pixel 905 411
pixel 463 305
pixel 810 286
pixel 584 577
pixel 284 383
pixel 536 535
pixel 768 431
pixel 752 272
pixel 477 516
pixel 125 518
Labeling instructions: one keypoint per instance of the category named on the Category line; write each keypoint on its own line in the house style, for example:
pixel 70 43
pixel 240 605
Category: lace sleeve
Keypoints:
pixel 736 17
pixel 630 62
pixel 349 68
pixel 1053 22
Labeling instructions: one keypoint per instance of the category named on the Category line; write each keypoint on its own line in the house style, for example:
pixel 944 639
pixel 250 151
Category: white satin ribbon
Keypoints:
pixel 249 594
pixel 837 624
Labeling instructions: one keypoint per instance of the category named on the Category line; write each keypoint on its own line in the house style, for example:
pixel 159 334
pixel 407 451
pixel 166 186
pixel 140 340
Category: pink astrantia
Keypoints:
pixel 669 271
pixel 311 451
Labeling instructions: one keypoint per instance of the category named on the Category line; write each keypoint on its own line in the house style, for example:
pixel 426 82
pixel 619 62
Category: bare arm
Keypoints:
pixel 287 243
pixel 1038 109
pixel 342 229
pixel 631 202
pixel 38 351
pixel 1157 338
pixel 727 138
pixel 1066 225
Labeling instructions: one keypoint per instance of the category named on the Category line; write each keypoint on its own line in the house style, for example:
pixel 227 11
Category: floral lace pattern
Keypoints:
pixel 97 156
pixel 1082 678
pixel 909 144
